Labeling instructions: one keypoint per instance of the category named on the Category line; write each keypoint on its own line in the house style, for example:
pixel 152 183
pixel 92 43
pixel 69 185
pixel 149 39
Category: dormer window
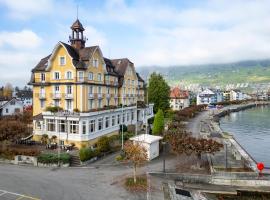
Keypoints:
pixel 95 62
pixel 62 60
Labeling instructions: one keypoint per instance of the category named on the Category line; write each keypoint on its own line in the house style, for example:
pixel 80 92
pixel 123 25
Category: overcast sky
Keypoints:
pixel 148 32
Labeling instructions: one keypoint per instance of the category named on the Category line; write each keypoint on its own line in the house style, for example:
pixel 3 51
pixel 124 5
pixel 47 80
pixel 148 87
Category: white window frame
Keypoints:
pixel 80 78
pixel 99 77
pixel 59 61
pixel 69 89
pixel 54 75
pixel 92 126
pixel 95 63
pixel 90 78
pixel 67 77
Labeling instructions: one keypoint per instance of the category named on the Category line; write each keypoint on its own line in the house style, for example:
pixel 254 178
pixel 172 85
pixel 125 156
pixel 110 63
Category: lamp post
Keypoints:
pixel 164 151
pixel 122 120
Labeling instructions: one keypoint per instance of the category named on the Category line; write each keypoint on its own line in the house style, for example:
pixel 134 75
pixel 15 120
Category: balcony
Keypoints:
pixel 56 95
pixel 100 96
pixel 108 96
pixel 116 96
pixel 90 96
pixel 68 96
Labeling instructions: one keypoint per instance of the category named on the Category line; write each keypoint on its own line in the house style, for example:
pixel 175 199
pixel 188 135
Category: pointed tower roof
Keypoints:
pixel 77 25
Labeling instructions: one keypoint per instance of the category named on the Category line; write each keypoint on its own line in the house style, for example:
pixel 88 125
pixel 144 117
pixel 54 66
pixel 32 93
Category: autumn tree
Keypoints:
pixel 12 130
pixel 7 91
pixel 158 125
pixel 158 92
pixel 136 154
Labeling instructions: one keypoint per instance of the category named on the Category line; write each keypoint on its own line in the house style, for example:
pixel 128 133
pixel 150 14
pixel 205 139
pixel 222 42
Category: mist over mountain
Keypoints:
pixel 249 71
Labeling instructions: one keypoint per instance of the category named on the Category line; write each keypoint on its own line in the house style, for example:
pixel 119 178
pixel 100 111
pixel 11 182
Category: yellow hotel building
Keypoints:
pixel 96 94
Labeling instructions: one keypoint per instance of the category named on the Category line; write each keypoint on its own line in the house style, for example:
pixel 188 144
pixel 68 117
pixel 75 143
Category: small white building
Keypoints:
pixel 150 143
pixel 236 95
pixel 10 107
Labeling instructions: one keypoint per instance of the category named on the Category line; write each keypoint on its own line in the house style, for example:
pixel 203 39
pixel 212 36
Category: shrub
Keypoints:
pixel 54 109
pixel 158 126
pixel 76 110
pixel 103 144
pixel 87 154
pixel 49 158
pixel 119 158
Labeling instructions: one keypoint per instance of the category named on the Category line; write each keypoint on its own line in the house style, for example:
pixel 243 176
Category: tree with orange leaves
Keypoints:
pixel 136 154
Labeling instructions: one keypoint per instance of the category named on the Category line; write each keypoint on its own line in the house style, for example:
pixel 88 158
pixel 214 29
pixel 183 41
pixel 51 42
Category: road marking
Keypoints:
pixel 3 193
pixel 21 196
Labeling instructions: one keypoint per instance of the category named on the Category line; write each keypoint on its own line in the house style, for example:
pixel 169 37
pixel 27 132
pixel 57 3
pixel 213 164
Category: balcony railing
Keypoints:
pixel 100 96
pixel 42 96
pixel 68 96
pixel 90 96
pixel 56 95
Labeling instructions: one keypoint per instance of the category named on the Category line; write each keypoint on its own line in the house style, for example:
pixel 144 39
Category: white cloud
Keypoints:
pixel 23 39
pixel 212 32
pixel 19 53
pixel 25 9
pixel 95 37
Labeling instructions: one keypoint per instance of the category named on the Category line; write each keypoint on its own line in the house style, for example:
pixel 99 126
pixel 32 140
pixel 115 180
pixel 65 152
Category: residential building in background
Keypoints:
pixel 96 94
pixel 25 96
pixel 236 95
pixel 209 96
pixel 179 99
pixel 10 107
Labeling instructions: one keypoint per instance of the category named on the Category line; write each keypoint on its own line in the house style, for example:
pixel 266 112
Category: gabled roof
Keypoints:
pixel 121 65
pixel 4 103
pixel 176 93
pixel 80 60
pixel 139 77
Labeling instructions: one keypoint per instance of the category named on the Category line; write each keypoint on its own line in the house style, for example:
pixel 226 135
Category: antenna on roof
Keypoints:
pixel 77 11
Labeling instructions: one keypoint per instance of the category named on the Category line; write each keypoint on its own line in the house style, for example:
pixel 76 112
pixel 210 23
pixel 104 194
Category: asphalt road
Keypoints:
pixel 64 184
pixel 98 181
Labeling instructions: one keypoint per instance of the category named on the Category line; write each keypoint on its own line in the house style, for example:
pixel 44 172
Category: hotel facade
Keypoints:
pixel 96 94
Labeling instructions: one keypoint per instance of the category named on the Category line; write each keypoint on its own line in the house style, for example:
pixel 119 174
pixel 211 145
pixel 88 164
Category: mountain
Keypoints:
pixel 251 71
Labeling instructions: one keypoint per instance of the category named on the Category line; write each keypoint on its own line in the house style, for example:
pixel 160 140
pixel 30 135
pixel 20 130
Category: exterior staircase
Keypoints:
pixel 75 161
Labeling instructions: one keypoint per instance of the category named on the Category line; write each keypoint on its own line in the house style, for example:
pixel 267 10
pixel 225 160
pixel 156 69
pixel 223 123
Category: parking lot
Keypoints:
pixel 6 195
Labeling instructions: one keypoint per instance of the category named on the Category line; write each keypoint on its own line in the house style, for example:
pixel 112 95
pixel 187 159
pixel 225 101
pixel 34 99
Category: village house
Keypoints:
pixel 97 94
pixel 208 96
pixel 236 95
pixel 179 99
pixel 10 107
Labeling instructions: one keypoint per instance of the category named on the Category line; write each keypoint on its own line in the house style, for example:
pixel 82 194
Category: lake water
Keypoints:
pixel 251 128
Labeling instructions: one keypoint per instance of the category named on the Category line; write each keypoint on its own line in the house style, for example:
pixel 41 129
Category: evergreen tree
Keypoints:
pixel 158 126
pixel 158 92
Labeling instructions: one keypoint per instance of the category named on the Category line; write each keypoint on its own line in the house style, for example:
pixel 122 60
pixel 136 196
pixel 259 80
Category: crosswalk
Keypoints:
pixel 6 195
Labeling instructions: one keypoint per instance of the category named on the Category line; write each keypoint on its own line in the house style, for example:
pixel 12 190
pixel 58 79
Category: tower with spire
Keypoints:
pixel 76 39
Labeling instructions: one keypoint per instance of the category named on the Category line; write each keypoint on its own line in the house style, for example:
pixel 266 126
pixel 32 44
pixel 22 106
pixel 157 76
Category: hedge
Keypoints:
pixel 49 158
pixel 87 154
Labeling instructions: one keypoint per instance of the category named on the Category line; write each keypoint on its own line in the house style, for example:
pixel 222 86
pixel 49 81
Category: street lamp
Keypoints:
pixel 164 151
